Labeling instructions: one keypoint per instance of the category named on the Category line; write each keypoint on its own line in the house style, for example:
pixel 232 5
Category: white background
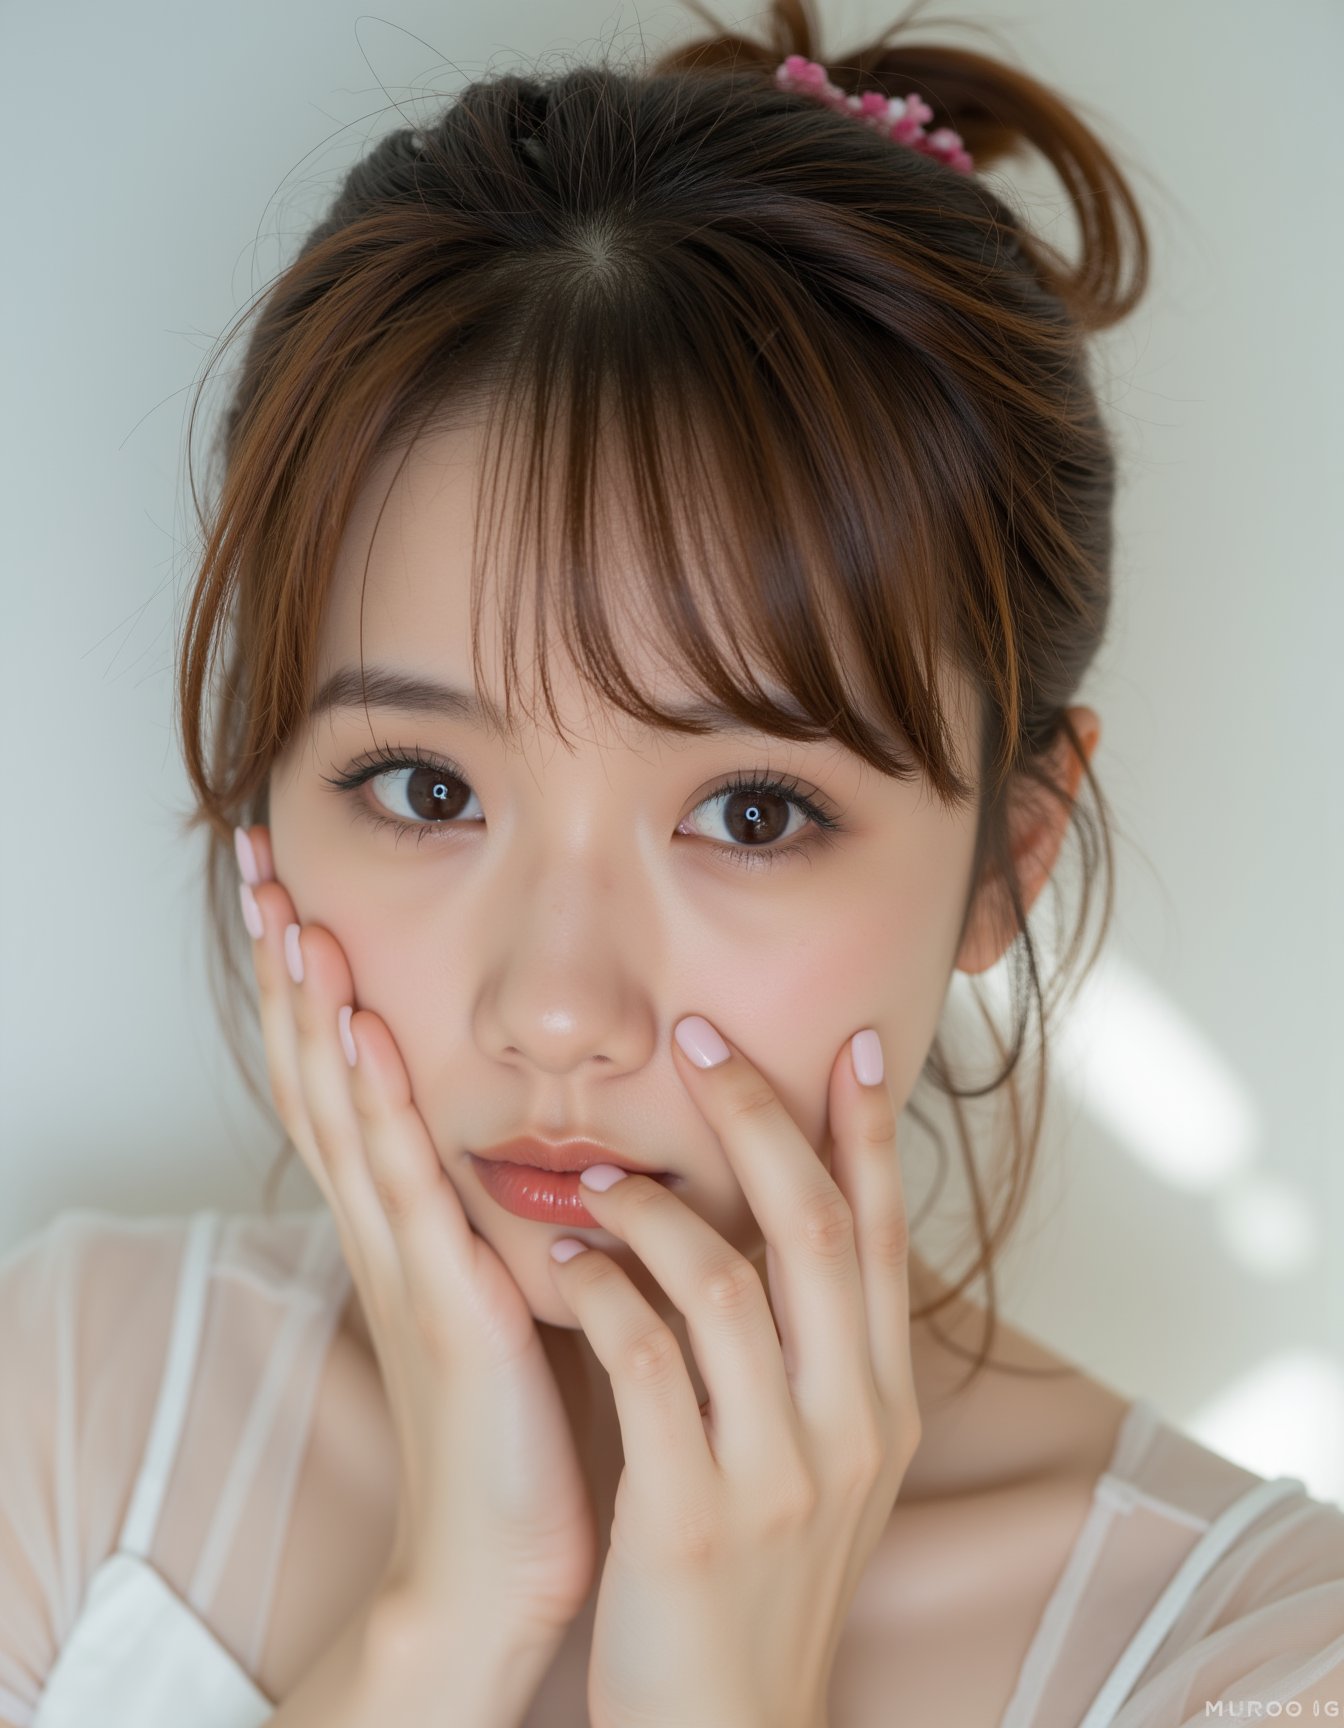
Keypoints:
pixel 161 162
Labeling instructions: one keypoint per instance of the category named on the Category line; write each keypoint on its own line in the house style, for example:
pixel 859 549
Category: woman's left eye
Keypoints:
pixel 753 809
pixel 760 812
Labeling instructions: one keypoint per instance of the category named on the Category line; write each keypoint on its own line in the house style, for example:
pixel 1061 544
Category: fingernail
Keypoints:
pixel 247 857
pixel 347 1037
pixel 602 1176
pixel 293 953
pixel 865 1049
pixel 566 1248
pixel 701 1042
pixel 256 929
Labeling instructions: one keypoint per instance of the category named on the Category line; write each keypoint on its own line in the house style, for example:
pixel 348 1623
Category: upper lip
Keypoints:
pixel 559 1155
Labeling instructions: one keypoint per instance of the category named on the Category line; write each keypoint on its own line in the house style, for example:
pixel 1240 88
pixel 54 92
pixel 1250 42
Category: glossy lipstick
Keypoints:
pixel 539 1179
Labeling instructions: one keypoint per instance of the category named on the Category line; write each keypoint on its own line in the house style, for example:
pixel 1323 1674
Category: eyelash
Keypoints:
pixel 381 761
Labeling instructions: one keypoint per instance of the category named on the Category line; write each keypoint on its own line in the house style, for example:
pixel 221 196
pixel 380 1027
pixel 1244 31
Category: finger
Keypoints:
pixel 667 1455
pixel 867 1166
pixel 273 910
pixel 728 1319
pixel 317 996
pixel 265 914
pixel 804 1217
pixel 380 1151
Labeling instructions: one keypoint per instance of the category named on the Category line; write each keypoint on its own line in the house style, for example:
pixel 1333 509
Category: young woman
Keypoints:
pixel 594 978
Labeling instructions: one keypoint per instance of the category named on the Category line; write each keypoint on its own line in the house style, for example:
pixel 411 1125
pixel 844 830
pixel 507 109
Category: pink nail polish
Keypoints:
pixel 347 1037
pixel 601 1177
pixel 701 1042
pixel 865 1049
pixel 247 857
pixel 256 929
pixel 293 953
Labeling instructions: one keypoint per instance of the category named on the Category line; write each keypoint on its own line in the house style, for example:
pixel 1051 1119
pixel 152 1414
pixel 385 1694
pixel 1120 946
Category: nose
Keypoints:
pixel 571 984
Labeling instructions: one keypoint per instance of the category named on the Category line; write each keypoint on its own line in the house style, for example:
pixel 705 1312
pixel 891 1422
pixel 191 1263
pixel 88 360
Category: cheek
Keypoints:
pixel 794 999
pixel 404 971
pixel 401 963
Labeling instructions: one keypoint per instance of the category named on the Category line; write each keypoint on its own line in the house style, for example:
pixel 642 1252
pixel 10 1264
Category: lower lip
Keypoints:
pixel 548 1196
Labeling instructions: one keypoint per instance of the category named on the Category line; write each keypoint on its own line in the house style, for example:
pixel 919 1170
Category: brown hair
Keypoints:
pixel 864 352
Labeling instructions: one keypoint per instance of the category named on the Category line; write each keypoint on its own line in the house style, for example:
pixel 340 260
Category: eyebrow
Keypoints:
pixel 385 687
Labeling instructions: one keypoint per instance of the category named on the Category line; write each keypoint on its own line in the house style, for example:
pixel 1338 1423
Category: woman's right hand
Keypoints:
pixel 494 1514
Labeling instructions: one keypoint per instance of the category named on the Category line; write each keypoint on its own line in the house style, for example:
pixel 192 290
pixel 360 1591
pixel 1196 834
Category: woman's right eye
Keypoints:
pixel 415 792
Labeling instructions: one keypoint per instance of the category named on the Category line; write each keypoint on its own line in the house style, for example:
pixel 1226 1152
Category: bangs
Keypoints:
pixel 707 502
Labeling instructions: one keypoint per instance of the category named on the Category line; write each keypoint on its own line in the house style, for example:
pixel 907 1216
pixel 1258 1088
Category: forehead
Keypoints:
pixel 399 606
pixel 407 622
pixel 414 525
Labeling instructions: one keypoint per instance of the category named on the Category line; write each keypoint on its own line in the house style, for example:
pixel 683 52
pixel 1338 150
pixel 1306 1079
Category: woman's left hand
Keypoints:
pixel 740 1533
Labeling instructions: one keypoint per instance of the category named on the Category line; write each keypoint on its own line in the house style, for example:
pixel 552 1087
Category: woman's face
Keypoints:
pixel 532 953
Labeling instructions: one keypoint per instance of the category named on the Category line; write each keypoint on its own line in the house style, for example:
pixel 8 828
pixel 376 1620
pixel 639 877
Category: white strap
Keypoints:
pixel 276 1383
pixel 142 1516
pixel 333 1281
pixel 1201 1559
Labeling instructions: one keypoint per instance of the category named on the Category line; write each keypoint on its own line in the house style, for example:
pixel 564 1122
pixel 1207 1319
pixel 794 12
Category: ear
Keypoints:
pixel 1037 826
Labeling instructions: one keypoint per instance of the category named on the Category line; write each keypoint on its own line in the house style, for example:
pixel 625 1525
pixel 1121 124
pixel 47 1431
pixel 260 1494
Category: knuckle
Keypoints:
pixel 859 1455
pixel 753 1098
pixel 427 1319
pixel 731 1288
pixel 395 1194
pixel 652 1359
pixel 640 1192
pixel 878 1128
pixel 890 1239
pixel 698 1533
pixel 826 1224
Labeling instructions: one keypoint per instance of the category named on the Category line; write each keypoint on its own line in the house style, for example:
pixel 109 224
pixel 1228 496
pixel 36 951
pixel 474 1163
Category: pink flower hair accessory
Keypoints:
pixel 902 119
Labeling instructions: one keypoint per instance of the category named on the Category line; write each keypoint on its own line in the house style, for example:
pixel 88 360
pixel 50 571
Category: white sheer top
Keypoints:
pixel 157 1385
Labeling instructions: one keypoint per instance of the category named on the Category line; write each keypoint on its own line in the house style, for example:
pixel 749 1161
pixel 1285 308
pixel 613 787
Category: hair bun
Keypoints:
pixel 996 109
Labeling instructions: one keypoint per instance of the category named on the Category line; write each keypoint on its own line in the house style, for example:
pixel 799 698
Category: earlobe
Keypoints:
pixel 1038 827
